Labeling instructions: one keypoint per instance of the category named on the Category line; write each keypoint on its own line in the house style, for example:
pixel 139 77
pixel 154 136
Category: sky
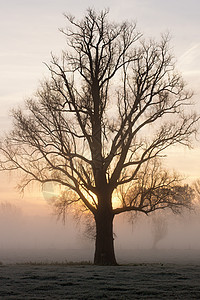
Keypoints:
pixel 29 33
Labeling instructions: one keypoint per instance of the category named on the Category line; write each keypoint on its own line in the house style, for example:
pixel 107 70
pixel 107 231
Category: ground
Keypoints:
pixel 139 281
pixel 142 274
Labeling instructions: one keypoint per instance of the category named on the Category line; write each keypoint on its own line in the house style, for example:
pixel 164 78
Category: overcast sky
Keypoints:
pixel 29 32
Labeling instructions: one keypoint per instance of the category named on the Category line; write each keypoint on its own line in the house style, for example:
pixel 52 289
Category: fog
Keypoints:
pixel 161 236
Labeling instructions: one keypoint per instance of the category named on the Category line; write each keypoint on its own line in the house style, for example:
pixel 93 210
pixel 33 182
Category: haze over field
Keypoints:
pixel 44 238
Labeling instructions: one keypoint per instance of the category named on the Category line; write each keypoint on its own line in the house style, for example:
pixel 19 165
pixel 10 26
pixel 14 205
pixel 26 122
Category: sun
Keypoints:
pixel 52 190
pixel 115 201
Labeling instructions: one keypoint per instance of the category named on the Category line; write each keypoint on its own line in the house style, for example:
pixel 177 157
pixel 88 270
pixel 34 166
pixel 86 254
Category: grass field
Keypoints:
pixel 63 281
pixel 142 274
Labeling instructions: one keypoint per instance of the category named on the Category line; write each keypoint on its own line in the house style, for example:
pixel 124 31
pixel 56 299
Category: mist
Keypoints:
pixel 159 237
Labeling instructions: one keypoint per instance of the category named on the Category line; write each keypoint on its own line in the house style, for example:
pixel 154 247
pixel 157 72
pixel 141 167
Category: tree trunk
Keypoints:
pixel 104 246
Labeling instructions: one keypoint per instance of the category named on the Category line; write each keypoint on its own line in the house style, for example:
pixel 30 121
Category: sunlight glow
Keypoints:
pixel 52 191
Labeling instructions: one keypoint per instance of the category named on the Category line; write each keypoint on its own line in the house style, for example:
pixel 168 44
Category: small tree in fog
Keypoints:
pixel 159 228
pixel 113 104
pixel 9 211
pixel 196 187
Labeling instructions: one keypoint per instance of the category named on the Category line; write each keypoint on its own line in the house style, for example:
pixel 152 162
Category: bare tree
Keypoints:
pixel 159 228
pixel 9 211
pixel 113 104
pixel 196 187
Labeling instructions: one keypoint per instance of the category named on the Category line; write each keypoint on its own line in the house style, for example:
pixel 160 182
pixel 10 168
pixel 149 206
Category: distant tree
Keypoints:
pixel 9 211
pixel 159 228
pixel 196 187
pixel 113 104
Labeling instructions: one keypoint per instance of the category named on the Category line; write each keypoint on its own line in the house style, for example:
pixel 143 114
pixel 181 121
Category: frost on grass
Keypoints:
pixel 138 281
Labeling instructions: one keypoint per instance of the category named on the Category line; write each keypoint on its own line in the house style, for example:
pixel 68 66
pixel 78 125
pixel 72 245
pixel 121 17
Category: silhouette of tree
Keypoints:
pixel 113 104
pixel 9 211
pixel 197 186
pixel 159 229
